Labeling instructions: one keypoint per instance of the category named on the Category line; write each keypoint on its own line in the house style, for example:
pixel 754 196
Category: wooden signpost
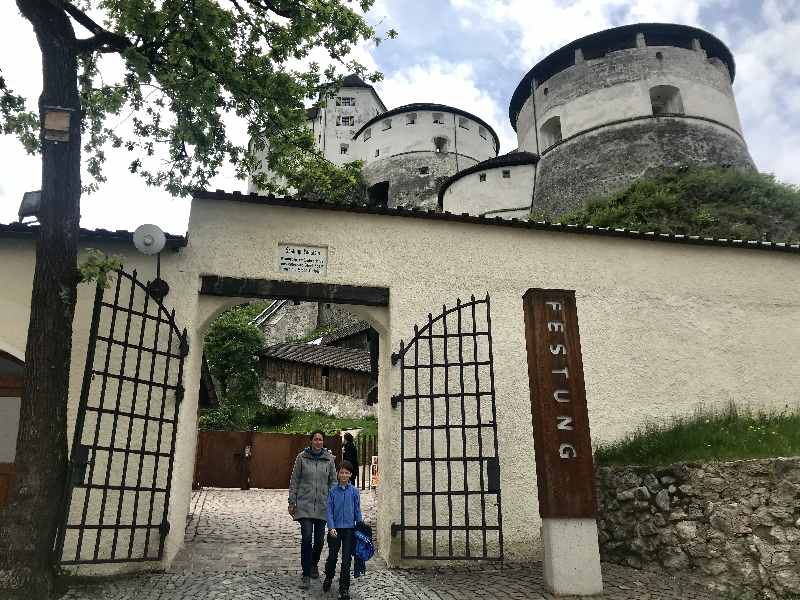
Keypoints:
pixel 562 443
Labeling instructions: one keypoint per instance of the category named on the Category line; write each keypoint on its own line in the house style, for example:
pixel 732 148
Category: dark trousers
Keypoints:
pixel 344 542
pixel 312 532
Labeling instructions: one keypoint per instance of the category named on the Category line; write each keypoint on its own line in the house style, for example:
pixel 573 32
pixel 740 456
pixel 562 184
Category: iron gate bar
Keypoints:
pixel 487 474
pixel 96 486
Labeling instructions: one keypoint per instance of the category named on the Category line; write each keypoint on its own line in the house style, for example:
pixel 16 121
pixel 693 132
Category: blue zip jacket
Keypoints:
pixel 344 507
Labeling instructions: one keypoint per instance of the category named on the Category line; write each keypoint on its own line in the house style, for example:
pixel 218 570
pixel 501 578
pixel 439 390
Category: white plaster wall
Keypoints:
pixel 471 195
pixel 665 327
pixel 403 138
pixel 628 100
pixel 332 135
pixel 9 426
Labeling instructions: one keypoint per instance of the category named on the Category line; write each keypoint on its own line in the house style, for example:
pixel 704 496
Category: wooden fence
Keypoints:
pixel 223 459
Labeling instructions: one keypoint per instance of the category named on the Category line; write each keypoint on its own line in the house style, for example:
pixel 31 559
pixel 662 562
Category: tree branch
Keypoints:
pixel 102 40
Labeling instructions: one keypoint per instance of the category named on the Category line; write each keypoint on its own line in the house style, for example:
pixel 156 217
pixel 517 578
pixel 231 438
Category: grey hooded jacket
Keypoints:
pixel 312 478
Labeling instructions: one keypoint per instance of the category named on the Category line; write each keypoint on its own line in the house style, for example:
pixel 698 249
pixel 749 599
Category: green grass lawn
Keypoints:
pixel 306 422
pixel 729 435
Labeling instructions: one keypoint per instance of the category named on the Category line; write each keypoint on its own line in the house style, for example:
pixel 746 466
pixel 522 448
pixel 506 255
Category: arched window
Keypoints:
pixel 666 99
pixel 551 132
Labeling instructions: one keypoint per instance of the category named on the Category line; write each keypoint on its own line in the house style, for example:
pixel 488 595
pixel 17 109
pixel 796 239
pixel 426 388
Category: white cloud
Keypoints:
pixel 447 83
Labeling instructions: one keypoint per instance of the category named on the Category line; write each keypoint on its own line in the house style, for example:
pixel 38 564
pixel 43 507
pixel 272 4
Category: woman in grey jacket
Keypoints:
pixel 313 475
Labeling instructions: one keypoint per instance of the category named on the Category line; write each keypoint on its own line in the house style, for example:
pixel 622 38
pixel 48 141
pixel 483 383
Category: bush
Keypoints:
pixel 271 416
pixel 708 202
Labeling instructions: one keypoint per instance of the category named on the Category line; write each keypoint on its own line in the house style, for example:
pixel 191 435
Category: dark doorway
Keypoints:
pixel 379 194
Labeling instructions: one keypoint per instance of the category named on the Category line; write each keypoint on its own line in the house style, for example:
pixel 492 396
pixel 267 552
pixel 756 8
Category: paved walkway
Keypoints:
pixel 243 546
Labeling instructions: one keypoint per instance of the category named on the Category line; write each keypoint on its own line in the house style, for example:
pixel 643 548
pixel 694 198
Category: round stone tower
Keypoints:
pixel 623 103
pixel 409 151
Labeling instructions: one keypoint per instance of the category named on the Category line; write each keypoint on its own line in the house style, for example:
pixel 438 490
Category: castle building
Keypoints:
pixel 592 117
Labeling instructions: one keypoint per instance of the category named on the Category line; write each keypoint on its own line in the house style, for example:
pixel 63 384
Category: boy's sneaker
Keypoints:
pixel 315 572
pixel 305 583
pixel 326 583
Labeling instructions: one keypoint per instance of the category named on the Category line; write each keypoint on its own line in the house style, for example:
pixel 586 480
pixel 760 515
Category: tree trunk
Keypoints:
pixel 28 525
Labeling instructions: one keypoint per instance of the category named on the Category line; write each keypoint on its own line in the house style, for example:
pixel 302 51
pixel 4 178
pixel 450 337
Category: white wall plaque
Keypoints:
pixel 299 258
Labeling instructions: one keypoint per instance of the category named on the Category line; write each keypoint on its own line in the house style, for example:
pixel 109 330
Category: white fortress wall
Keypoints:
pixel 469 194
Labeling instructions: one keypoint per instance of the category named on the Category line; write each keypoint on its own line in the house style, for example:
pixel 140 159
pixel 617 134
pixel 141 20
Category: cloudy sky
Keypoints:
pixel 470 54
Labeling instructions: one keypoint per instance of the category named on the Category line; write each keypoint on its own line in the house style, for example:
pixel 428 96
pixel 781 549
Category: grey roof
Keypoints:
pixel 322 356
pixel 120 235
pixel 345 332
pixel 354 81
pixel 418 213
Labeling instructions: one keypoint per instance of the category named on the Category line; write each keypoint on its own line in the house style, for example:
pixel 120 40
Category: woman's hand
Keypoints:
pixel 332 532
pixel 291 509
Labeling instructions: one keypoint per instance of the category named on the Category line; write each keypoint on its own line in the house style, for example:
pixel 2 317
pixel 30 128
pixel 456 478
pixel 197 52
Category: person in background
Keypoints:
pixel 350 454
pixel 313 475
pixel 344 511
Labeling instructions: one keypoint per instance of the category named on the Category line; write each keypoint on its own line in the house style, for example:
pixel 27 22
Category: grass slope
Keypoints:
pixel 709 202
pixel 731 435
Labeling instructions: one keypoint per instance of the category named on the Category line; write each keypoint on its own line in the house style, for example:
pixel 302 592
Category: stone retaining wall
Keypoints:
pixel 735 524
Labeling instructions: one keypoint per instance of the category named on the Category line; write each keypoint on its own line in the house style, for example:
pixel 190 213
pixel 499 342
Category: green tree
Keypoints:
pixel 708 202
pixel 187 65
pixel 231 348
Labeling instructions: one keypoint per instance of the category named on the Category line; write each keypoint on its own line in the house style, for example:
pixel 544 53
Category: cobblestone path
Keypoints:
pixel 243 546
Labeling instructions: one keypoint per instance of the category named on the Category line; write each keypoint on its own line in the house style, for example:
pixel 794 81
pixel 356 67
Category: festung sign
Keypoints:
pixel 558 405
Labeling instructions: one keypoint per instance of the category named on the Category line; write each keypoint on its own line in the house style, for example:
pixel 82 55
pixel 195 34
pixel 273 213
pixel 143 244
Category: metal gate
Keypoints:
pixel 120 471
pixel 450 473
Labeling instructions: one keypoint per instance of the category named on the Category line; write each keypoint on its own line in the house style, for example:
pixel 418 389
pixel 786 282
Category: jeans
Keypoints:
pixel 343 541
pixel 312 533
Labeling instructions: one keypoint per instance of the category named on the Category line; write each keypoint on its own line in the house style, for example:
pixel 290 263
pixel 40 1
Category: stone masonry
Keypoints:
pixel 735 524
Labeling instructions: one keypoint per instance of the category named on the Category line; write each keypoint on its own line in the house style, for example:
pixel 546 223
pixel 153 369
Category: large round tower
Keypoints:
pixel 619 104
pixel 409 151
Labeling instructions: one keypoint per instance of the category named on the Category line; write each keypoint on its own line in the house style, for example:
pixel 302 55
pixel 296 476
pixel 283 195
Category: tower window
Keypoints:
pixel 482 132
pixel 440 144
pixel 411 118
pixel 482 177
pixel 463 123
pixel 438 119
pixel 343 148
pixel 551 132
pixel 367 133
pixel 506 173
pixel 387 124
pixel 345 101
pixel 666 99
pixel 377 152
pixel 424 170
pixel 345 121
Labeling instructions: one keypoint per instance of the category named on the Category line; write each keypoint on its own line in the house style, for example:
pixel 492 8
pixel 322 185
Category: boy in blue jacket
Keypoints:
pixel 344 511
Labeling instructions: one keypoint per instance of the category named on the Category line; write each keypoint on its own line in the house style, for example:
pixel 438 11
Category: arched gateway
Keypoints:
pixel 666 322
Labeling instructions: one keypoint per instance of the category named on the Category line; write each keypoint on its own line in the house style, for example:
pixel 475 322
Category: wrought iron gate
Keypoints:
pixel 117 497
pixel 450 473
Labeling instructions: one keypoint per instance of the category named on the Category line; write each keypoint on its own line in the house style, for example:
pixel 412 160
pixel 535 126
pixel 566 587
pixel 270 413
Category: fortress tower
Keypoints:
pixel 409 151
pixel 620 104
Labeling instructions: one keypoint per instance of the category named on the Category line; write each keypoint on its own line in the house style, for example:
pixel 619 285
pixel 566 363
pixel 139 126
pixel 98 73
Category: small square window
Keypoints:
pixel 387 124
pixel 367 134
pixel 377 152
pixel 345 101
pixel 463 123
pixel 482 132
pixel 438 119
pixel 482 177
pixel 411 118
pixel 506 173
pixel 345 121
pixel 343 148
pixel 424 170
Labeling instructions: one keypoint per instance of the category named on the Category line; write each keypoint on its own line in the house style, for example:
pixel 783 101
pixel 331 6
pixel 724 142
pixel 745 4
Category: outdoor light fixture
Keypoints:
pixel 31 203
pixel 56 123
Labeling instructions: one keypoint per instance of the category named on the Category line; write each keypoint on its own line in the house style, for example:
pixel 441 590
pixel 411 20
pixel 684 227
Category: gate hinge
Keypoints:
pixel 164 528
pixel 396 399
pixel 396 529
pixel 184 348
pixel 78 463
pixel 372 395
pixel 179 393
